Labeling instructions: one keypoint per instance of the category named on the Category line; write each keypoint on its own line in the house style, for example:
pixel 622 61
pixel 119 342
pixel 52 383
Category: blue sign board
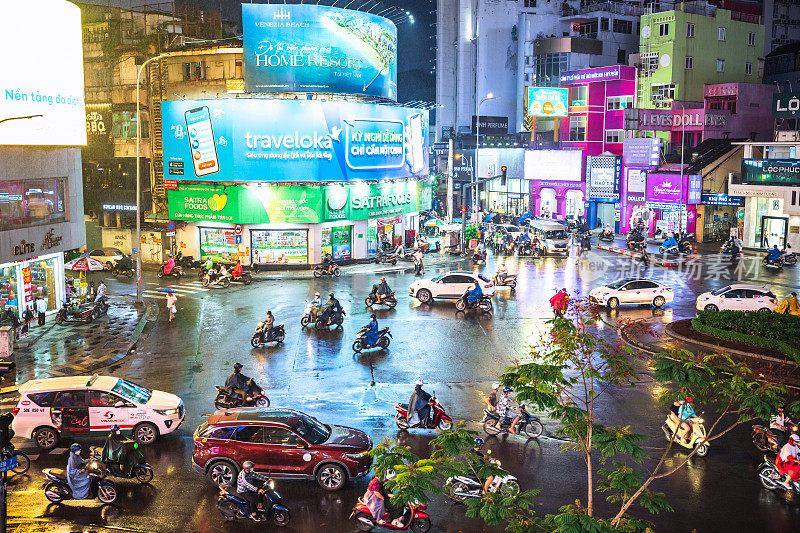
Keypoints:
pixel 238 239
pixel 256 139
pixel 695 189
pixel 8 464
pixel 313 48
pixel 722 199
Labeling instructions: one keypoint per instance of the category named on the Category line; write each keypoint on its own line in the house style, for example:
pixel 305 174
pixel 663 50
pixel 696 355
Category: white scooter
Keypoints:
pixel 461 488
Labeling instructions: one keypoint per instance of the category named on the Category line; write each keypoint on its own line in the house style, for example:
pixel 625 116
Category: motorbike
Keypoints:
pixel 478 256
pixel 384 258
pixel 524 248
pixel 685 243
pixel 270 507
pixel 244 277
pixel 337 319
pixel 176 272
pixel 77 314
pixel 141 471
pixel 414 517
pixel 697 439
pixel 606 235
pixel 462 488
pixel 57 489
pixel 764 440
pixel 219 280
pixel 377 299
pixel 320 271
pixel 122 270
pixel 186 261
pixel 484 303
pixel 229 399
pixel 528 424
pixel 263 336
pixel 771 479
pixel 509 248
pixel 310 314
pixel 636 246
pixel 734 251
pixel 789 258
pixel 585 243
pixel 419 268
pixel 439 419
pixel 361 340
pixel 671 250
pixel 510 280
pixel 776 264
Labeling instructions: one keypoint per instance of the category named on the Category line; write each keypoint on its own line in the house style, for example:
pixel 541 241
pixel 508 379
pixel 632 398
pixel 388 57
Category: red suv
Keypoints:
pixel 283 443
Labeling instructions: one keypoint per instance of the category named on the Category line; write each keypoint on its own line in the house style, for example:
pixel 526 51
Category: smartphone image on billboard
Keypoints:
pixel 416 161
pixel 201 141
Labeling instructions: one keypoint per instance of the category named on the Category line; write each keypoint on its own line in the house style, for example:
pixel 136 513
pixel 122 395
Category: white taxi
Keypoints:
pixel 449 286
pixel 55 408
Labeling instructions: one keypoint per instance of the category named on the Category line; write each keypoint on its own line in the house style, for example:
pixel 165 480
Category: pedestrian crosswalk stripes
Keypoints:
pixel 184 289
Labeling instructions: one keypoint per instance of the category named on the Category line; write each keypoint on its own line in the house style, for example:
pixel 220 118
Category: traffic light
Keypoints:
pixel 503 175
pixel 6 433
pixel 463 209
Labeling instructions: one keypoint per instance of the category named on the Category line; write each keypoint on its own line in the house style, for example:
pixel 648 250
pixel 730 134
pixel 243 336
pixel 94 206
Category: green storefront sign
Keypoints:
pixel 262 204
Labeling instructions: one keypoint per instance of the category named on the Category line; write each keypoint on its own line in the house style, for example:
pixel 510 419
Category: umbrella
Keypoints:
pixel 84 264
pixel 166 290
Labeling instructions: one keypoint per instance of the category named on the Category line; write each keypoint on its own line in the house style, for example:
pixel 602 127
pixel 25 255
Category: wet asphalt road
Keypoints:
pixel 458 356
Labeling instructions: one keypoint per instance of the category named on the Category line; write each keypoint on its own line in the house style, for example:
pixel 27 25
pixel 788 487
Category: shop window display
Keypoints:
pixel 9 297
pixel 218 245
pixel 279 247
pixel 31 202
pixel 336 241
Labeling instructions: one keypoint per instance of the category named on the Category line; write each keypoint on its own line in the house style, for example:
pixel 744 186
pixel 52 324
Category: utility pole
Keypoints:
pixel 450 181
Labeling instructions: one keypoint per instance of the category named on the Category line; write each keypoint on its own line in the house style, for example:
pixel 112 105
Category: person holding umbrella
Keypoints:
pixel 172 300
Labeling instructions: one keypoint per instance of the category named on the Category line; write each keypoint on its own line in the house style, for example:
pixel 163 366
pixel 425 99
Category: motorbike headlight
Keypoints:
pixel 166 412
pixel 271 484
pixel 698 420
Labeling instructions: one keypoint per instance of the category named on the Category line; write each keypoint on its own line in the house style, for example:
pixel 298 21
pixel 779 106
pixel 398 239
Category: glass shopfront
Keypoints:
pixel 337 242
pixel 21 283
pixel 31 202
pixel 286 247
pixel 218 244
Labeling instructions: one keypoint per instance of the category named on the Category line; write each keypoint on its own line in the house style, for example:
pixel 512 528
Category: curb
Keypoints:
pixel 677 336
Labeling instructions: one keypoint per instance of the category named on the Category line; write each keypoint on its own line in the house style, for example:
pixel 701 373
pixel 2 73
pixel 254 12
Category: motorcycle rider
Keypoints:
pixel 269 322
pixel 419 406
pixel 506 409
pixel 419 268
pixel 685 417
pixel 101 291
pixel 114 449
pixel 327 263
pixel 477 461
pixel 500 275
pixel 208 265
pixel 77 478
pixel 472 295
pixel 332 307
pixel 671 242
pixel 491 399
pixel 317 301
pixel 380 291
pixel 559 302
pixel 780 426
pixel 237 382
pixel 169 264
pixel 789 305
pixel 124 263
pixel 223 272
pixel 237 269
pixel 787 461
pixel 372 331
pixel 774 254
pixel 248 489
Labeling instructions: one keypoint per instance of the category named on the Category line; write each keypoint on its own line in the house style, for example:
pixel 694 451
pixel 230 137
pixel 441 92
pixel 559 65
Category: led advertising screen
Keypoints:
pixel 41 88
pixel 255 139
pixel 555 165
pixel 548 101
pixel 313 48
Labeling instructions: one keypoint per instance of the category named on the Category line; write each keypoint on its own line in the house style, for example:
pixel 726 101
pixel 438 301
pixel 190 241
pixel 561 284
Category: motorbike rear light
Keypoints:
pixel 14 411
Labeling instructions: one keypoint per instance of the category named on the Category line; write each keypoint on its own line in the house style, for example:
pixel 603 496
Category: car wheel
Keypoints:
pixel 613 303
pixel 711 307
pixel 222 473
pixel 424 296
pixel 658 301
pixel 765 310
pixel 109 265
pixel 46 438
pixel 145 433
pixel 331 477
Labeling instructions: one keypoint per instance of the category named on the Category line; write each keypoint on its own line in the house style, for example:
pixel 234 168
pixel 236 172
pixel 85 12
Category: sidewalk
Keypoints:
pixel 74 349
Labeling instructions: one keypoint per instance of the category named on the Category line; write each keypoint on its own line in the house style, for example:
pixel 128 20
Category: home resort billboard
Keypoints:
pixel 313 48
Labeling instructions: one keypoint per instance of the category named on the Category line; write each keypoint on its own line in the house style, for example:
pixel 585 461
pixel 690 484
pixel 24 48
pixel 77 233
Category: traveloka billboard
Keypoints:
pixel 254 139
pixel 313 48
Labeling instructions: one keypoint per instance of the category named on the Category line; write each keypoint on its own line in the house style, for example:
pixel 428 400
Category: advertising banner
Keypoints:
pixel 616 72
pixel 547 101
pixel 602 173
pixel 665 188
pixel 490 125
pixel 637 181
pixel 41 90
pixel 676 119
pixel 556 165
pixel 261 140
pixel 362 201
pixel 694 189
pixel 771 171
pixel 641 152
pixel 313 48
pixel 98 132
pixel 722 199
pixel 786 105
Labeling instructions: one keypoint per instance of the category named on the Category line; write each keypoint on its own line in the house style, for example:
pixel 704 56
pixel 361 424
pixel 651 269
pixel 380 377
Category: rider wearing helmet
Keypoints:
pixel 477 460
pixel 237 381
pixel 332 307
pixel 506 409
pixel 419 406
pixel 77 479
pixel 249 487
pixel 685 415
pixel 380 290
pixel 491 400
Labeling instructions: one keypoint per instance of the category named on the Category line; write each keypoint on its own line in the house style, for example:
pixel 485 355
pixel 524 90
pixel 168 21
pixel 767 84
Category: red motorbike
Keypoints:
pixel 414 517
pixel 440 419
pixel 764 440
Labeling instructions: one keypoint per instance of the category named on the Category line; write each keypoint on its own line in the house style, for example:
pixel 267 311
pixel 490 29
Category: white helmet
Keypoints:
pixel 419 382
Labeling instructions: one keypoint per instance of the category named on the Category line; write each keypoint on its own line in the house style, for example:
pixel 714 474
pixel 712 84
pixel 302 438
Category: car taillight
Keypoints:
pixel 772 300
pixel 489 285
pixel 15 411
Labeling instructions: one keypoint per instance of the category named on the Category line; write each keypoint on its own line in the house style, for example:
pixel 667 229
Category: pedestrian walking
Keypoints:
pixel 172 300
pixel 41 309
pixel 27 316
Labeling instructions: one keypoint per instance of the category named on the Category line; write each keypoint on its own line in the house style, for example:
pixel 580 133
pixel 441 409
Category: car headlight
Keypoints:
pixel 166 412
pixel 357 456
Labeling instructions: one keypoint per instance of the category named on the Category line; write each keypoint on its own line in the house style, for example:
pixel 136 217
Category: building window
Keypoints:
pixel 604 24
pixel 689 62
pixel 615 136
pixel 663 29
pixel 748 69
pixel 623 26
pixel 751 39
pixel 577 95
pixel 577 128
pixel 530 3
pixel 720 65
pixel 619 102
pixel 662 92
pixel 649 63
pixel 196 70
pixel 622 56
pixel 689 29
pixel 722 33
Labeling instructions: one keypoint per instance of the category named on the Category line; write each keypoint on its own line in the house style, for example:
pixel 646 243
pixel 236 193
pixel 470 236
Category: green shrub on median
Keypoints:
pixel 769 330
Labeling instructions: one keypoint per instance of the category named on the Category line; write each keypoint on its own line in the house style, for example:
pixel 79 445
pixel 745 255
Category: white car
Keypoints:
pixel 511 229
pixel 109 256
pixel 55 408
pixel 450 286
pixel 631 291
pixel 738 297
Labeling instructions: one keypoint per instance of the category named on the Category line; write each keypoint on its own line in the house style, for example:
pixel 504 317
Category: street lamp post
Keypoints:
pixel 489 96
pixel 138 182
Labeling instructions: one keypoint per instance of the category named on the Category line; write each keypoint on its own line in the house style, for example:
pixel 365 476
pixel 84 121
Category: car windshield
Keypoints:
pixel 309 428
pixel 617 284
pixel 132 392
pixel 555 234
pixel 720 291
pixel 484 278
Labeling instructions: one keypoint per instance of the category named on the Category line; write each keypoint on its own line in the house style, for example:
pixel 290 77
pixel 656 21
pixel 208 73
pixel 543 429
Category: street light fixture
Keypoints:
pixel 489 96
pixel 19 118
